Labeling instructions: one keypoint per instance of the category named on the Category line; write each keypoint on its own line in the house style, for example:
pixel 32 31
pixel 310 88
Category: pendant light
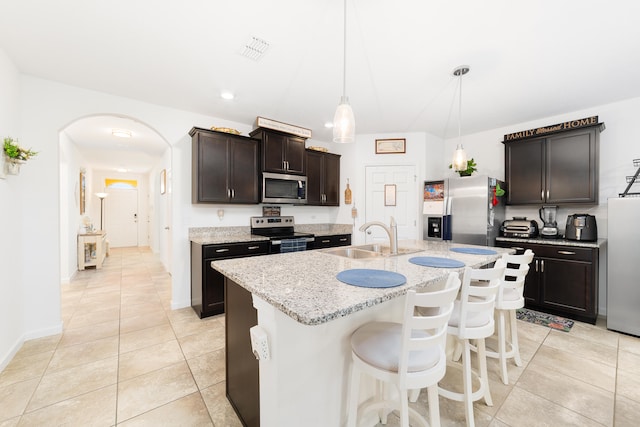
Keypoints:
pixel 459 161
pixel 344 123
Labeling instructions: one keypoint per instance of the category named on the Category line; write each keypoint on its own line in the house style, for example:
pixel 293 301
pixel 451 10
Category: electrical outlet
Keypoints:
pixel 259 343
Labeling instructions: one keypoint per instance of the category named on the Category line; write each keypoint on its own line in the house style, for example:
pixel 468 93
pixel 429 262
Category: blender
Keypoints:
pixel 548 216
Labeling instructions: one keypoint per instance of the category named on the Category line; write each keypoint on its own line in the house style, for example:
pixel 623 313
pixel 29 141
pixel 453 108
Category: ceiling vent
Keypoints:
pixel 254 48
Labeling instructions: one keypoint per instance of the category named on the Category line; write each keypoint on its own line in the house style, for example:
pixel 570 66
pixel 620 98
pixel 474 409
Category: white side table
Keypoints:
pixel 92 248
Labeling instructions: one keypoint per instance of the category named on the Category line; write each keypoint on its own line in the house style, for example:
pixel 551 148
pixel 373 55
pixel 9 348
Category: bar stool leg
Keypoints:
pixel 502 346
pixel 514 337
pixel 484 378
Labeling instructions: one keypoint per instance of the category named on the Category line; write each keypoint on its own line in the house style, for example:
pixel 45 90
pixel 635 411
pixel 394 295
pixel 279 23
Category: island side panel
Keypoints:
pixel 243 391
pixel 305 381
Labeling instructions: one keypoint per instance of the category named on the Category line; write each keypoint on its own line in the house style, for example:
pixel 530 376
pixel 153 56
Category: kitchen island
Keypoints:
pixel 307 317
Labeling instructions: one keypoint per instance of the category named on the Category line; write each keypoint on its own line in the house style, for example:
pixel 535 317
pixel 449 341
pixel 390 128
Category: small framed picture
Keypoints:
pixel 389 194
pixel 163 181
pixel 391 146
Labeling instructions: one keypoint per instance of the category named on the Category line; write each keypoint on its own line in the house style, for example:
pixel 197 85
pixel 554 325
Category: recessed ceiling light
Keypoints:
pixel 121 133
pixel 122 170
pixel 227 95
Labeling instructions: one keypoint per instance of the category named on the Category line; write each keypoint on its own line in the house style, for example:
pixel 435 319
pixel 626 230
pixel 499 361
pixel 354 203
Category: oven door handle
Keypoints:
pixel 306 239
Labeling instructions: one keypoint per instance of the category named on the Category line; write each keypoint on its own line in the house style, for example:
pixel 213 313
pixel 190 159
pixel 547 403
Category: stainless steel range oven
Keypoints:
pixel 281 234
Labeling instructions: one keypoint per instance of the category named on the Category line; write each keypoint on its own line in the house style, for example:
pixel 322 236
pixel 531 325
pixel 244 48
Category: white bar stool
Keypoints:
pixel 510 298
pixel 472 319
pixel 410 355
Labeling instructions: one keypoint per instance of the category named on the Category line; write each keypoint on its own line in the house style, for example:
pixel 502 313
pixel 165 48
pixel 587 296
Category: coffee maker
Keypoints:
pixel 548 216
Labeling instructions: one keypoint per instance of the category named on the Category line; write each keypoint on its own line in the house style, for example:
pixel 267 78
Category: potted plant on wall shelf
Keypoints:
pixel 471 168
pixel 15 155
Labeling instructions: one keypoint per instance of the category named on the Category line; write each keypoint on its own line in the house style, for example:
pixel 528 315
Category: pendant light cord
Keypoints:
pixel 344 51
pixel 460 110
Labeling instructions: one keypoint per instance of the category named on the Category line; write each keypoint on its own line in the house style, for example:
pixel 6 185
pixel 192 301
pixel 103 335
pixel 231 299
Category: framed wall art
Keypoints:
pixel 83 190
pixel 391 146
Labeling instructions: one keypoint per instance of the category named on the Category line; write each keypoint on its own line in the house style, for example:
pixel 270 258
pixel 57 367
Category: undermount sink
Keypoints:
pixel 369 251
pixel 351 252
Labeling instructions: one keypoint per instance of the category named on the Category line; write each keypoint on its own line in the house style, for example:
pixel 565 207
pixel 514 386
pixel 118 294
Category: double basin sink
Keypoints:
pixel 375 250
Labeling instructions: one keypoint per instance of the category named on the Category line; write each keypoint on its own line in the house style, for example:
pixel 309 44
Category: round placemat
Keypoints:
pixel 432 261
pixel 474 251
pixel 370 278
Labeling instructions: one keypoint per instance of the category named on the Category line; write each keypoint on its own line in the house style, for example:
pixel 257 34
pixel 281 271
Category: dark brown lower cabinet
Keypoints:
pixel 562 280
pixel 242 369
pixel 331 241
pixel 207 284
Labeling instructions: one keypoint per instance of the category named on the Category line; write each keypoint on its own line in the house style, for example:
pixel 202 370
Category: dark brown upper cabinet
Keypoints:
pixel 557 169
pixel 225 168
pixel 323 178
pixel 281 152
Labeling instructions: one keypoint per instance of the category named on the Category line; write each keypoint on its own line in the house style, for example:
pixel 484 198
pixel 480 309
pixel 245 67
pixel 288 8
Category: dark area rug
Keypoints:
pixel 544 319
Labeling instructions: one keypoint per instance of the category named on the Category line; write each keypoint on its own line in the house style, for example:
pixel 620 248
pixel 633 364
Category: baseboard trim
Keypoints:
pixel 11 353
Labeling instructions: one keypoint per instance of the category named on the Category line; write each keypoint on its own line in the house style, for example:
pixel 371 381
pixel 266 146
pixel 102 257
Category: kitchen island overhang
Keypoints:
pixel 308 316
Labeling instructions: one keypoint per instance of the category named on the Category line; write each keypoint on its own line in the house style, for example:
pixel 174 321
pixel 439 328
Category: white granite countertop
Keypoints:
pixel 239 234
pixel 557 242
pixel 303 285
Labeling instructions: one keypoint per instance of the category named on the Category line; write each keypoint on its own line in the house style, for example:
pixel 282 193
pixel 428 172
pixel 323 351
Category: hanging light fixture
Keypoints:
pixel 344 123
pixel 459 161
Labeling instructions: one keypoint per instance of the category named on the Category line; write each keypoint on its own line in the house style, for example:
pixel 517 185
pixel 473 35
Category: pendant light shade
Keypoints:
pixel 459 162
pixel 344 122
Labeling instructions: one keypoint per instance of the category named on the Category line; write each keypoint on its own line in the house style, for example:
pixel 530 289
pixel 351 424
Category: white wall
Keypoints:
pixel 71 161
pixel 12 283
pixel 618 147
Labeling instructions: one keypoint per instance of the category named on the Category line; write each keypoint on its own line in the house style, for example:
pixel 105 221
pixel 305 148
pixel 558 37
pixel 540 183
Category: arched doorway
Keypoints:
pixel 91 152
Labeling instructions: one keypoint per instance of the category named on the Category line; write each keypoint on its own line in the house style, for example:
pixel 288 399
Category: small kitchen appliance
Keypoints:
pixel 520 227
pixel 548 216
pixel 581 227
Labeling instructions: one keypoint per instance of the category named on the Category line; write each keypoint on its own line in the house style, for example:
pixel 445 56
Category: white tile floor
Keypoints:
pixel 125 358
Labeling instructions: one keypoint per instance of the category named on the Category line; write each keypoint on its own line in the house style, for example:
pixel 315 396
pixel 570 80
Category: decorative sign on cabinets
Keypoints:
pixel 545 130
pixel 261 122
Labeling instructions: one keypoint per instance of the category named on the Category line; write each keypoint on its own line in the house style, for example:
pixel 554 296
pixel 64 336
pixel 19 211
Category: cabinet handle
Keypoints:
pixel 541 194
pixel 547 194
pixel 222 250
pixel 233 194
pixel 253 247
pixel 344 239
pixel 566 252
pixel 326 241
pixel 229 193
pixel 536 266
pixel 541 266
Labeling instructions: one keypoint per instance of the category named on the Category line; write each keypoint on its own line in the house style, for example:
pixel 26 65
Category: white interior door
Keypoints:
pixel 121 217
pixel 391 191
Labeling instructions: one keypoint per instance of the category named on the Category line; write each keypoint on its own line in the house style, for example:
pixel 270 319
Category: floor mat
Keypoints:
pixel 549 320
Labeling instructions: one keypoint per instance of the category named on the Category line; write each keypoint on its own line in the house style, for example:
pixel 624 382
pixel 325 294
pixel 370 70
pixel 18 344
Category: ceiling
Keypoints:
pixel 528 60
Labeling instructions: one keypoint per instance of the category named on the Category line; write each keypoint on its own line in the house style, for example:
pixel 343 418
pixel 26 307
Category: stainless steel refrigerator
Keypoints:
pixel 464 210
pixel 623 265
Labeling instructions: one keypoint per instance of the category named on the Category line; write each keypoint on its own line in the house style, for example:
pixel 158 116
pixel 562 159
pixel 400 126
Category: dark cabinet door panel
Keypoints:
pixel 524 162
pixel 571 168
pixel 565 285
pixel 244 175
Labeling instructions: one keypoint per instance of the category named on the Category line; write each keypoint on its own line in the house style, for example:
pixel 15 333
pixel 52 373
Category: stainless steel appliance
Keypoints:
pixel 623 269
pixel 548 215
pixel 284 188
pixel 281 234
pixel 469 210
pixel 519 227
pixel 581 227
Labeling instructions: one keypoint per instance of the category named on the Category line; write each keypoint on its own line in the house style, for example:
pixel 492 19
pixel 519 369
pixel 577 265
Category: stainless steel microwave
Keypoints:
pixel 284 188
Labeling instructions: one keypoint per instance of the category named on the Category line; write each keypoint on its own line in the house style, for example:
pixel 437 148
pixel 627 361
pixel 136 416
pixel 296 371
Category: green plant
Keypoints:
pixel 14 151
pixel 471 168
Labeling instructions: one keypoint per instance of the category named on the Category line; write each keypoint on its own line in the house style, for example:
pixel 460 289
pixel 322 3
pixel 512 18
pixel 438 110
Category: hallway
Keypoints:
pixel 124 358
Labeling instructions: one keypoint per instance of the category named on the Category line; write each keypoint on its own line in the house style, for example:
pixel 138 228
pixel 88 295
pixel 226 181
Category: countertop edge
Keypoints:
pixel 555 242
